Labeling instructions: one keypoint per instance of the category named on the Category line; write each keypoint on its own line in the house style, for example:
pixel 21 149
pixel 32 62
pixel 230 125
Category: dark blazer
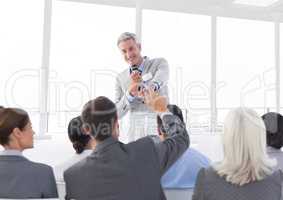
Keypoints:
pixel 210 186
pixel 131 171
pixel 21 178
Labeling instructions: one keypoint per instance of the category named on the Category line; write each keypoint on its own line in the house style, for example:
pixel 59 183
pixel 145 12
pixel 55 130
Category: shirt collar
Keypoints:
pixel 11 152
pixel 141 66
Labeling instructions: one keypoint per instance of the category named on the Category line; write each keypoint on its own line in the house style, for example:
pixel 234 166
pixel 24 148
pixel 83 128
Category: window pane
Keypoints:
pixel 20 54
pixel 84 56
pixel 245 65
pixel 184 40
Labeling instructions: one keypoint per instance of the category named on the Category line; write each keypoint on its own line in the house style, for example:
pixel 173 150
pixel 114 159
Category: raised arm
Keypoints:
pixel 175 144
pixel 177 141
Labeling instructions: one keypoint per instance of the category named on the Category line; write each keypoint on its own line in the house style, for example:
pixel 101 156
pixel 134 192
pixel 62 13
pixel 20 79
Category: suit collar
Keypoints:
pixel 12 158
pixel 141 66
pixel 104 144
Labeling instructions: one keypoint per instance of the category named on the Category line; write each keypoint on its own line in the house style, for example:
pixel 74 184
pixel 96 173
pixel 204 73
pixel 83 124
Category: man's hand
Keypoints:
pixel 134 89
pixel 136 77
pixel 154 101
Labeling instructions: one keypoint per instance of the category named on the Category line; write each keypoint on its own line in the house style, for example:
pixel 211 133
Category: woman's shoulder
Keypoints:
pixel 210 175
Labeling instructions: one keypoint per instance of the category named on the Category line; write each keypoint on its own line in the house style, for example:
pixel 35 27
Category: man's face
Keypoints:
pixel 131 51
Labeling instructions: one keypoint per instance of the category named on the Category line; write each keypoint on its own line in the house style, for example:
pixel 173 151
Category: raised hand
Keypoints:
pixel 134 89
pixel 136 77
pixel 156 102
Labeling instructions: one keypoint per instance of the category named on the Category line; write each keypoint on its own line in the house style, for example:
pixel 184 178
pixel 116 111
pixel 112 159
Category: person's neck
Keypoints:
pixel 13 147
pixel 140 61
pixel 91 145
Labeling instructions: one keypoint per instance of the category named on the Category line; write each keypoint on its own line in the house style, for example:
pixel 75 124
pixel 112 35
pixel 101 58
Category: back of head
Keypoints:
pixel 175 110
pixel 76 135
pixel 11 118
pixel 99 116
pixel 274 129
pixel 245 159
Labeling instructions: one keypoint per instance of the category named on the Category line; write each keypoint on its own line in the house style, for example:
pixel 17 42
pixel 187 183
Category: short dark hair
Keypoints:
pixel 99 115
pixel 76 135
pixel 274 129
pixel 11 118
pixel 175 110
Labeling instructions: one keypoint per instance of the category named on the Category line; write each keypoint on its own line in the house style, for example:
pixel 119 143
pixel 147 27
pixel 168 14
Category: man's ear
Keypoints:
pixel 116 128
pixel 86 129
pixel 159 131
pixel 139 46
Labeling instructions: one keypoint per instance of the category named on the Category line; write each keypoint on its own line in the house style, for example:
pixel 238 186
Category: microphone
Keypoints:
pixel 135 69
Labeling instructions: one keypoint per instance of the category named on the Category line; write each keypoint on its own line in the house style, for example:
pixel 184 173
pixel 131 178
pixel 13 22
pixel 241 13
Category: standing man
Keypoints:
pixel 130 82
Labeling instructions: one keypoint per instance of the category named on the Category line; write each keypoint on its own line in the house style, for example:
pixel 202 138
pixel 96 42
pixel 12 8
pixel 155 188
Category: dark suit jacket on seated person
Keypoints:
pixel 246 171
pixel 21 178
pixel 127 171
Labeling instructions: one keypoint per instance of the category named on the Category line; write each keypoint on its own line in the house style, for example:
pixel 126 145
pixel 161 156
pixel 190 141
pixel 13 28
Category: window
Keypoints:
pixel 20 54
pixel 84 56
pixel 184 41
pixel 245 65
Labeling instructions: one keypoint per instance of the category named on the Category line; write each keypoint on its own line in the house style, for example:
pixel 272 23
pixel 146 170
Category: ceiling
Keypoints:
pixel 224 8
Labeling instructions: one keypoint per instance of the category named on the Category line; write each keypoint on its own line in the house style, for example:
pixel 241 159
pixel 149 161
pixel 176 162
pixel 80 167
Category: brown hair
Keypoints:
pixel 99 115
pixel 11 118
pixel 76 135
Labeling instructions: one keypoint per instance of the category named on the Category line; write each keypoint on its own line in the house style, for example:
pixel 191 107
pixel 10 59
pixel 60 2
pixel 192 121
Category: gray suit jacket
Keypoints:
pixel 210 186
pixel 117 171
pixel 159 69
pixel 21 178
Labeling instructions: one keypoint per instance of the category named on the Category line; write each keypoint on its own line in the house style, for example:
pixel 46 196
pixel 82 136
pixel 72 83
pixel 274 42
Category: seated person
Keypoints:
pixel 19 177
pixel 82 144
pixel 117 171
pixel 183 173
pixel 246 172
pixel 274 136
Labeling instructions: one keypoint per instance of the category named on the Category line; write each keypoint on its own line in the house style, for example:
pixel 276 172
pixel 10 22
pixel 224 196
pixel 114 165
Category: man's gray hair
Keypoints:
pixel 127 36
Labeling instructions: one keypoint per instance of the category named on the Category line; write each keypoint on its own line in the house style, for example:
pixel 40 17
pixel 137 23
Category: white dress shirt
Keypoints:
pixel 59 169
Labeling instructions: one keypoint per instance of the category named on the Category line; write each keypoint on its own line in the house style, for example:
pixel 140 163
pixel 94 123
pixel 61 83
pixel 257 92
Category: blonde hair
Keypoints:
pixel 244 144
